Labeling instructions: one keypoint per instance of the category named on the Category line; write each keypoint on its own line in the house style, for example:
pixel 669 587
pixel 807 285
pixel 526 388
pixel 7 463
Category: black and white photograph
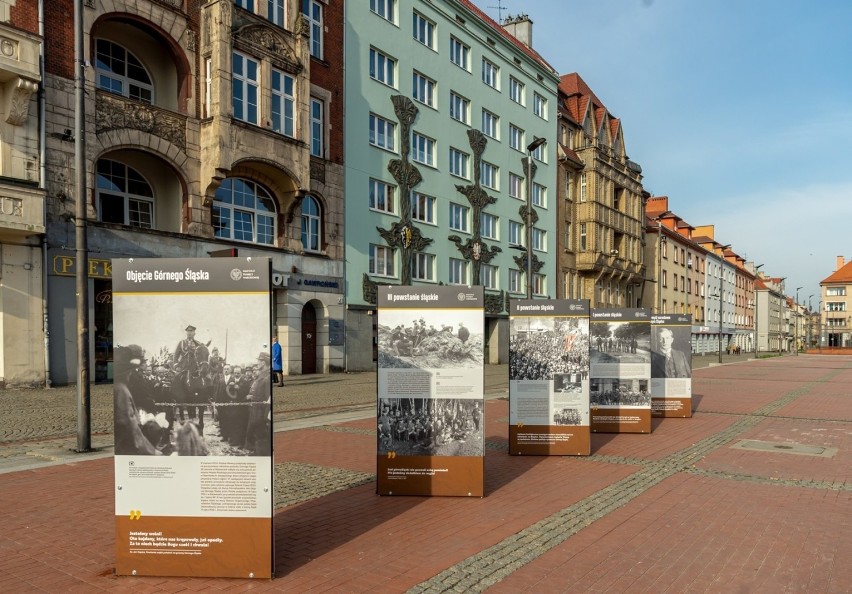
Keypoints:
pixel 541 348
pixel 567 416
pixel 430 339
pixel 198 381
pixel 568 383
pixel 620 342
pixel 430 427
pixel 619 392
pixel 671 354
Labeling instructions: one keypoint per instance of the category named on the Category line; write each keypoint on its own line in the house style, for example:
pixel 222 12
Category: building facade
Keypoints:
pixel 835 317
pixel 602 239
pixel 206 134
pixel 22 197
pixel 442 105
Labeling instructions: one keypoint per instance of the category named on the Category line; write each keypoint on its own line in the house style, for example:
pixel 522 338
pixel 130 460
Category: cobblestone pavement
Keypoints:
pixel 687 508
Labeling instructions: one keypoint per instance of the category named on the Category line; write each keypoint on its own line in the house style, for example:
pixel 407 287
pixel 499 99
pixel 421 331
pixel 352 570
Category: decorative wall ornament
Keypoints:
pixel 113 112
pixel 191 40
pixel 262 39
pixel 370 289
pixel 494 302
pixel 9 48
pixel 18 93
pixel 303 26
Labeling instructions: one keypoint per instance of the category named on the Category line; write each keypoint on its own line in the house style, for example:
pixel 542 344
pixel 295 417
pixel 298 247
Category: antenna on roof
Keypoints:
pixel 500 8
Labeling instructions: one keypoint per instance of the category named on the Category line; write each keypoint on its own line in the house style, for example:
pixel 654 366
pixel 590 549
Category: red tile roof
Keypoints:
pixel 844 275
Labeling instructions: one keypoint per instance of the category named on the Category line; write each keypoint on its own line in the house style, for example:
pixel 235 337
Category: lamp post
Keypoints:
pixel 531 147
pixel 718 293
pixel 756 335
pixel 810 323
pixel 796 322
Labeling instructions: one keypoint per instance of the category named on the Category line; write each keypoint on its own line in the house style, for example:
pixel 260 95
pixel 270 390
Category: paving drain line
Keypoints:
pixel 486 568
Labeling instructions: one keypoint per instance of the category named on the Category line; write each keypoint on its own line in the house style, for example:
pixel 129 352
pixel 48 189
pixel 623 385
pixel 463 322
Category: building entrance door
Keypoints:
pixel 309 339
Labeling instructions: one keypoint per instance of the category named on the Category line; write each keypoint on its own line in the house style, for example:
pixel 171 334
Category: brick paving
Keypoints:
pixel 680 510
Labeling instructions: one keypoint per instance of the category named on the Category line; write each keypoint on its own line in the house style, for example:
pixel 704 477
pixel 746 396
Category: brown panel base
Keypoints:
pixel 617 420
pixel 549 440
pixel 680 408
pixel 193 547
pixel 462 476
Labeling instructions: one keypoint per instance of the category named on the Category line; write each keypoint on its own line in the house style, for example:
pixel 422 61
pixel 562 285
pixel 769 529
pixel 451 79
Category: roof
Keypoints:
pixel 843 275
pixel 501 31
pixel 578 95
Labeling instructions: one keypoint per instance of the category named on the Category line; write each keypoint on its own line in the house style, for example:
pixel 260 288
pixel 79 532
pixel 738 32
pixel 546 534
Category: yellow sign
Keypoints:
pixel 67 266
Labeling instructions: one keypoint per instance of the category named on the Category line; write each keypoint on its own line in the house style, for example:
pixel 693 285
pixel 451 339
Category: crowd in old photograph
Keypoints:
pixel 620 394
pixel 434 427
pixel 567 416
pixel 544 355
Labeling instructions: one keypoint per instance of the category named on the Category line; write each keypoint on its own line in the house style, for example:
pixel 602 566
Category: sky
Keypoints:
pixel 740 111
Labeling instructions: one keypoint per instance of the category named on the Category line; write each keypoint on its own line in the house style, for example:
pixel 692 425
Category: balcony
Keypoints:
pixel 114 112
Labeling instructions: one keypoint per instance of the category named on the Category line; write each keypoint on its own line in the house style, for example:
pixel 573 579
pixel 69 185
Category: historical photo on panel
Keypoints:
pixel 196 382
pixel 542 348
pixel 671 355
pixel 620 342
pixel 430 427
pixel 619 392
pixel 430 339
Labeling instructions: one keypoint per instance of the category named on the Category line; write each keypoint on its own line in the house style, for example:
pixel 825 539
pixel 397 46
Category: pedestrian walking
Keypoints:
pixel 277 366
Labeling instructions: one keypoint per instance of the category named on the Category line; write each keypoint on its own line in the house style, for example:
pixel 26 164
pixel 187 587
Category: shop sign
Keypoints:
pixel 64 265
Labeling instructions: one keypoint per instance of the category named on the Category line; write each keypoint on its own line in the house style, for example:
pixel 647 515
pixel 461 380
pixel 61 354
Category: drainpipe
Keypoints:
pixel 42 182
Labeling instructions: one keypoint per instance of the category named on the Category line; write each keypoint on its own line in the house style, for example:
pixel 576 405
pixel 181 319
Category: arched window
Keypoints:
pixel 124 196
pixel 244 211
pixel 311 224
pixel 120 72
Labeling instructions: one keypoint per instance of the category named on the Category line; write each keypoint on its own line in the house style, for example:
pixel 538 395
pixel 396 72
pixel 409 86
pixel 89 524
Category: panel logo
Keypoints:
pixel 236 274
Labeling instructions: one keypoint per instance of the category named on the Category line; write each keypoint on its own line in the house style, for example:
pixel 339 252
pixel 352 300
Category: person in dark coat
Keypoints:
pixel 260 410
pixel 464 333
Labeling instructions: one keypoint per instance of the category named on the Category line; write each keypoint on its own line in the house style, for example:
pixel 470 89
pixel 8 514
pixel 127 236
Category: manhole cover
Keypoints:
pixel 785 448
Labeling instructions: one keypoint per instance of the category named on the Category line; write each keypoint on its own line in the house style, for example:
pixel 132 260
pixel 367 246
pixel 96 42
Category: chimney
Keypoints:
pixel 840 262
pixel 519 27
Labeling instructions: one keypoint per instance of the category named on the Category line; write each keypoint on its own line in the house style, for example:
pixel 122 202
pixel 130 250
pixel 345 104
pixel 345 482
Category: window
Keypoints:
pixel 665 279
pixel 835 291
pixel 835 306
pixel 120 72
pixel 382 133
pixel 539 285
pixel 275 12
pixel 539 195
pixel 311 224
pixel 423 149
pixel 458 272
pixel 540 106
pixel 675 256
pixel 313 11
pixel 584 238
pixel 244 88
pixel 317 128
pixel 208 87
pixel 516 186
pixel 246 4
pixel 458 217
pixel 424 267
pixel 490 74
pixel 489 225
pixel 382 67
pixel 539 153
pixel 384 8
pixel 516 233
pixel 423 89
pixel 490 124
pixel 516 138
pixel 515 278
pixel 584 188
pixel 488 276
pixel 459 54
pixel 516 90
pixel 489 175
pixel 539 239
pixel 459 163
pixel 381 260
pixel 459 108
pixel 424 30
pixel 423 207
pixel 124 196
pixel 381 196
pixel 244 211
pixel 282 103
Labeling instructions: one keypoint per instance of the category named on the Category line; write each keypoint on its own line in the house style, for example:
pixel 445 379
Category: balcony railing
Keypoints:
pixel 114 112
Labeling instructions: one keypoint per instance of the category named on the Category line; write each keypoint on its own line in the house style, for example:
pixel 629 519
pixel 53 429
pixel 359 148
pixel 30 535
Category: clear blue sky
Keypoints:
pixel 740 111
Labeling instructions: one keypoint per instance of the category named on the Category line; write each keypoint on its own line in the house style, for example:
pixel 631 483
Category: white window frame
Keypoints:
pixel 490 124
pixel 423 30
pixel 423 89
pixel 539 106
pixel 490 74
pixel 516 137
pixel 539 195
pixel 311 225
pixel 489 276
pixel 516 233
pixel 516 186
pixel 458 272
pixel 385 9
pixel 540 154
pixel 516 278
pixel 276 12
pixel 459 163
pixel 315 26
pixel 284 101
pixel 131 202
pixel 381 261
pixel 382 196
pixel 459 108
pixel 539 239
pixel 516 90
pixel 459 218
pixel 208 87
pixel 248 85
pixel 381 128
pixel 489 225
pixel 459 53
pixel 489 175
pixel 317 127
pixel 423 207
pixel 584 187
pixel 422 149
pixel 539 284
pixel 423 267
pixel 260 219
pixel 382 68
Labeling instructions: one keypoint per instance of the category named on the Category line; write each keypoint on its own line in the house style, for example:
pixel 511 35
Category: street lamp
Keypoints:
pixel 796 322
pixel 810 323
pixel 754 291
pixel 531 147
pixel 718 293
